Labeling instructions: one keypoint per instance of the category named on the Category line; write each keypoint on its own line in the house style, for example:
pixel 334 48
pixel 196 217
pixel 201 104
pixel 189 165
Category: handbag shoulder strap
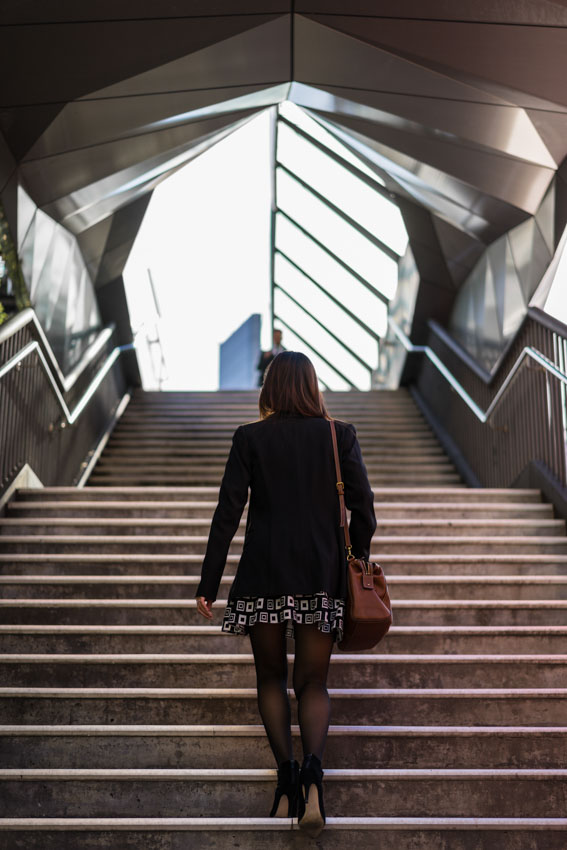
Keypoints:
pixel 341 491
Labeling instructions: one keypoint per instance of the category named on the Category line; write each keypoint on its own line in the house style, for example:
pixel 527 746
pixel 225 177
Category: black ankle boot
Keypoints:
pixel 288 785
pixel 311 811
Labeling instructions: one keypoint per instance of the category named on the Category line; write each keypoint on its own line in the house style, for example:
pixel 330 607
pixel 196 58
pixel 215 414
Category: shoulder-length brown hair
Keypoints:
pixel 291 386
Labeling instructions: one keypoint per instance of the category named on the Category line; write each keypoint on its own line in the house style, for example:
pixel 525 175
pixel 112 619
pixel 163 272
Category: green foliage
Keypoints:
pixel 13 266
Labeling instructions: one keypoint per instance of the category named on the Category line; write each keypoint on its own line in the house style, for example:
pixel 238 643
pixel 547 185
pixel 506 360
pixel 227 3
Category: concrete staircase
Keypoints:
pixel 127 723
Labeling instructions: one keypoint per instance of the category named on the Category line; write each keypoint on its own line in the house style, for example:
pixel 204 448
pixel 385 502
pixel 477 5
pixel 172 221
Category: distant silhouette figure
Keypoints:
pixel 266 357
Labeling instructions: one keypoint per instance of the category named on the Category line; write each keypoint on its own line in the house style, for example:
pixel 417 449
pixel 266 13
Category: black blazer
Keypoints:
pixel 293 542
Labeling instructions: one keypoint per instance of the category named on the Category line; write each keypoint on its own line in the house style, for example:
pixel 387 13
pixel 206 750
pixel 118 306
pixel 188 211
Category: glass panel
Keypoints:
pixel 332 276
pixel 320 305
pixel 324 372
pixel 302 120
pixel 321 340
pixel 61 290
pixel 556 303
pixel 360 255
pixel 355 198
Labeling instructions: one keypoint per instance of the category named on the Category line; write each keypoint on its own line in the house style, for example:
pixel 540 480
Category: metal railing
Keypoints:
pixel 506 421
pixel 40 407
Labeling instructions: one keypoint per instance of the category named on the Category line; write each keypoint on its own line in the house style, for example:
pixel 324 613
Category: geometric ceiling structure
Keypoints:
pixel 459 108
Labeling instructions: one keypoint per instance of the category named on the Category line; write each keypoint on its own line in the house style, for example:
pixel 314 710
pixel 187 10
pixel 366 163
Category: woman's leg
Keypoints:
pixel 270 657
pixel 311 665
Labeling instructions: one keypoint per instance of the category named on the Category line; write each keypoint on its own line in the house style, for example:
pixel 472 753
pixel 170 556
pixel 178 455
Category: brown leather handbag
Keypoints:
pixel 368 614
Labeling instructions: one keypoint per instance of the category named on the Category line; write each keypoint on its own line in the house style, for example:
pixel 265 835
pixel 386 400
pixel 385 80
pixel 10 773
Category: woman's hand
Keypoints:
pixel 204 607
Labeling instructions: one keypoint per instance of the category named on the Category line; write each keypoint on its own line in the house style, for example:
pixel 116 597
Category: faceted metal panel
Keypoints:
pixel 60 286
pixel 513 62
pixel 7 162
pixel 83 124
pixel 92 242
pixel 545 218
pixel 97 55
pixel 16 12
pixel 489 126
pixel 518 11
pixel 57 176
pixel 459 109
pixel 343 59
pixel 460 203
pixel 461 246
pixel 493 300
pixel 552 127
pixel 521 184
pixel 257 55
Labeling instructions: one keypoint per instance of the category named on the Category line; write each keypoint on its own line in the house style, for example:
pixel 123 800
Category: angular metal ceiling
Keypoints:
pixel 461 108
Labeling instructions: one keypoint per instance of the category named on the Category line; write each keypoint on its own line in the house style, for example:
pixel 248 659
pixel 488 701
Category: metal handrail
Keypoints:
pixel 482 415
pixel 24 317
pixel 71 416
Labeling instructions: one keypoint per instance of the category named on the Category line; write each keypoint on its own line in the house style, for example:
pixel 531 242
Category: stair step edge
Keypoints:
pixel 279 824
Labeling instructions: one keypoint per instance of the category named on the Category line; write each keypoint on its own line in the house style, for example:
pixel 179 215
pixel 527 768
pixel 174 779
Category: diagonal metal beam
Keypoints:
pixel 336 301
pixel 335 257
pixel 393 255
pixel 274 146
pixel 325 328
pixel 308 344
pixel 374 185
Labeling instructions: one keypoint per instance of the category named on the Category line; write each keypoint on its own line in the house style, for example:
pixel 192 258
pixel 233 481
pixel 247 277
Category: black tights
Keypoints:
pixel 311 665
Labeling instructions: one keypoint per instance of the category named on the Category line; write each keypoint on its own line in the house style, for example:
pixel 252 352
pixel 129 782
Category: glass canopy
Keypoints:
pixel 337 241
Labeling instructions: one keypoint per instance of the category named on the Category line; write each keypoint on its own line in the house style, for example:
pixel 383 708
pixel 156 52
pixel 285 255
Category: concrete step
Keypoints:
pixel 221 444
pixel 147 670
pixel 159 463
pixel 254 833
pixel 152 426
pixel 166 467
pixel 218 453
pixel 371 401
pixel 136 746
pixel 219 396
pixel 170 456
pixel 232 419
pixel 196 544
pixel 250 409
pixel 528 588
pixel 478 580
pixel 141 479
pixel 336 408
pixel 216 437
pixel 98 792
pixel 387 527
pixel 180 833
pixel 189 564
pixel 419 495
pixel 184 611
pixel 104 638
pixel 444 706
pixel 386 511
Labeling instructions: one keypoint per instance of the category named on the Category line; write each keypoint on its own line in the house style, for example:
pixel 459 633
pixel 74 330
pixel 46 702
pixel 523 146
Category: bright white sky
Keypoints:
pixel 206 239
